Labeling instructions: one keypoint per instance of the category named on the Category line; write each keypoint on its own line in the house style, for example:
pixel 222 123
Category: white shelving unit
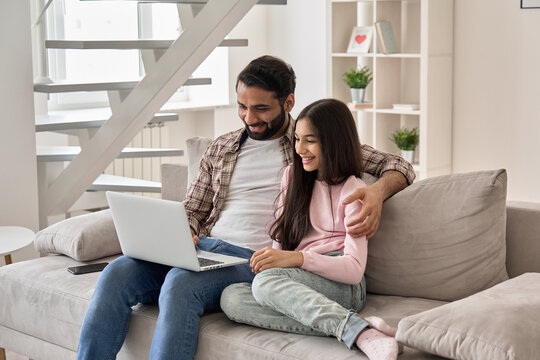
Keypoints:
pixel 421 73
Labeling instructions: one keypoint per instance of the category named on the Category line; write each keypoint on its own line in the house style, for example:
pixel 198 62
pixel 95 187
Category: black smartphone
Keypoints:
pixel 85 269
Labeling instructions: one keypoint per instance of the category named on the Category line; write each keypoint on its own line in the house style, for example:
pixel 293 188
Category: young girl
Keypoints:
pixel 315 271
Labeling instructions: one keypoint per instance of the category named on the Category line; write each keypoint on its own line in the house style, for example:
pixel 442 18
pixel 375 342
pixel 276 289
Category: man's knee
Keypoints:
pixel 179 282
pixel 114 274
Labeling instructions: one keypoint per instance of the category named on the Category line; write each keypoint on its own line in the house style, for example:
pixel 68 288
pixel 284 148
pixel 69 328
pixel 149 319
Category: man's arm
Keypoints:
pixel 377 163
pixel 372 197
pixel 199 199
pixel 394 175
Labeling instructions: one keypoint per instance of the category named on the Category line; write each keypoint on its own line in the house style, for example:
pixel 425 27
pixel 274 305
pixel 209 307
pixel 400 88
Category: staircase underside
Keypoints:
pixel 133 103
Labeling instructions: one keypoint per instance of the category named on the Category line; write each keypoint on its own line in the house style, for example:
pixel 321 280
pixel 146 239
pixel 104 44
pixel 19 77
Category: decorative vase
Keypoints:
pixel 357 95
pixel 408 155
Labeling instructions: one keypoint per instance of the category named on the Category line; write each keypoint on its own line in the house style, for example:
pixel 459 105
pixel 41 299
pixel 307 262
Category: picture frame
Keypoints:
pixel 360 40
pixel 530 4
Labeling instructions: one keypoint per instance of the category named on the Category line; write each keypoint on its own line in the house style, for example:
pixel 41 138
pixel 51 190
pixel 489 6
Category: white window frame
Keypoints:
pixel 215 94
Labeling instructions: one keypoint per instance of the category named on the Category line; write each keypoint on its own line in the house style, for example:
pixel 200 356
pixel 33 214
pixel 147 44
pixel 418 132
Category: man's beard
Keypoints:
pixel 271 128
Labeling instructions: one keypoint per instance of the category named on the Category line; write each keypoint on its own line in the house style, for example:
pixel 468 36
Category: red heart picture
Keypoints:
pixel 360 38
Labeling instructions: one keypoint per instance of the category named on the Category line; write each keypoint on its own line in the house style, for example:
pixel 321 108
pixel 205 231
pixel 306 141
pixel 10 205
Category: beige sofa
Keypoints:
pixel 442 242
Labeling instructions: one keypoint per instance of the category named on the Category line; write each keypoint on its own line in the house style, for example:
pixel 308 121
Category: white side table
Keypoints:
pixel 13 238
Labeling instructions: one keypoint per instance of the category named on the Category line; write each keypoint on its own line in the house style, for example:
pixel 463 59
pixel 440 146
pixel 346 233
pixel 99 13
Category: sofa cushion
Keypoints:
pixel 441 238
pixel 502 322
pixel 195 147
pixel 174 181
pixel 41 299
pixel 84 238
pixel 522 240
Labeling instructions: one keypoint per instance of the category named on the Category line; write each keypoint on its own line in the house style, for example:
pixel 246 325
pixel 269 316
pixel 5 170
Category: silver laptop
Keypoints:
pixel 157 230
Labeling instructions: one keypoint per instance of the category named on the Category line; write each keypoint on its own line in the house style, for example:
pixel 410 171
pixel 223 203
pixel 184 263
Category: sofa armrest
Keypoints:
pixel 522 237
pixel 174 181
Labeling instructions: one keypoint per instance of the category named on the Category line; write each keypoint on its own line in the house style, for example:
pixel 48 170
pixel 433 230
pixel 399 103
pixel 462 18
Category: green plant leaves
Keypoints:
pixel 358 78
pixel 406 139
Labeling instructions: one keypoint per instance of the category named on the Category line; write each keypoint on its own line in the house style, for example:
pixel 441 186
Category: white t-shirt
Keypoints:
pixel 248 211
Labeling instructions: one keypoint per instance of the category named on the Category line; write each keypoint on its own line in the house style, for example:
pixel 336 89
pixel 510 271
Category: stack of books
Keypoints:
pixel 360 106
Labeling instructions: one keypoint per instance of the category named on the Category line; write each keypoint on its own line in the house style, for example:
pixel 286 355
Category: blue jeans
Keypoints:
pixel 183 296
pixel 298 301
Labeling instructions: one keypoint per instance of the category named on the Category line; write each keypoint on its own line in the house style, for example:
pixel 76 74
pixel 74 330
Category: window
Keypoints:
pixel 89 20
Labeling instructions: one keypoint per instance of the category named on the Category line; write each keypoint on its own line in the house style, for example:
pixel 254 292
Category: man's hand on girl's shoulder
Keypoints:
pixel 367 221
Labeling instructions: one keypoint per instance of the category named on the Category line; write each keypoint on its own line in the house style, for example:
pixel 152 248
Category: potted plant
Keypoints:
pixel 358 80
pixel 406 140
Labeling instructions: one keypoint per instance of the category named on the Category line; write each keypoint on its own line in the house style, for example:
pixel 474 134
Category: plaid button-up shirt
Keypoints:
pixel 206 196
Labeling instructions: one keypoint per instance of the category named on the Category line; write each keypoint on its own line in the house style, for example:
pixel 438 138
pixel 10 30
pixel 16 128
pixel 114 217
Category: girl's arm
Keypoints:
pixel 268 258
pixel 350 267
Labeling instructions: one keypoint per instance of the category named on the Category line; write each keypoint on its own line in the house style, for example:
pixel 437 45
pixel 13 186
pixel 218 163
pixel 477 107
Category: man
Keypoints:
pixel 264 106
pixel 232 199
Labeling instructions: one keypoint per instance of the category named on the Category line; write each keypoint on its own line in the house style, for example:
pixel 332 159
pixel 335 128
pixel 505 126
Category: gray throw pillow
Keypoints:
pixel 442 238
pixel 502 322
pixel 83 238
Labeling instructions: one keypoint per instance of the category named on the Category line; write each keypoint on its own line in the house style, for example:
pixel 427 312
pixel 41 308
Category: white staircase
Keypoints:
pixel 62 86
pixel 64 121
pixel 104 133
pixel 126 44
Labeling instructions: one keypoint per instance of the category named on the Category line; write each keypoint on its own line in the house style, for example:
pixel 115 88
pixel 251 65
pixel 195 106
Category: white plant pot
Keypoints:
pixel 357 95
pixel 408 155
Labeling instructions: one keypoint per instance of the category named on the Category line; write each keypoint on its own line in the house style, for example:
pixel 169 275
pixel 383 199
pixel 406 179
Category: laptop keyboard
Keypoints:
pixel 207 262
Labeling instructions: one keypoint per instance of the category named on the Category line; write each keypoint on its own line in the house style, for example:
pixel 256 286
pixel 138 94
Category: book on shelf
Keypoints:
pixel 360 106
pixel 385 35
pixel 406 106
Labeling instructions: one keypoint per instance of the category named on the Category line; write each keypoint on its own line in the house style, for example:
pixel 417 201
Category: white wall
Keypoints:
pixel 295 33
pixel 18 179
pixel 497 92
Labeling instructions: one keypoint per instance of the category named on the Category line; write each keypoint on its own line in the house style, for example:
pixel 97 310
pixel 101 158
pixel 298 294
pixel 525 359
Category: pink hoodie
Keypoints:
pixel 328 232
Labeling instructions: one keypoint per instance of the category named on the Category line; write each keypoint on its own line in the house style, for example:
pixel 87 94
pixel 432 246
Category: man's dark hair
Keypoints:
pixel 271 74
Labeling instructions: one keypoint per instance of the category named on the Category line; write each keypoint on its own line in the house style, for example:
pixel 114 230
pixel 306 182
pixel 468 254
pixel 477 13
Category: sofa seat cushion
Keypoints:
pixel 41 299
pixel 221 338
pixel 500 323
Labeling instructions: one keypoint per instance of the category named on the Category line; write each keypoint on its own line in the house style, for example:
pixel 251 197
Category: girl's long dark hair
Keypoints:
pixel 335 128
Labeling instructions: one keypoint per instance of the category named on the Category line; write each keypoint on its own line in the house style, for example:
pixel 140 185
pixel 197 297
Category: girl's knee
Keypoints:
pixel 231 299
pixel 264 282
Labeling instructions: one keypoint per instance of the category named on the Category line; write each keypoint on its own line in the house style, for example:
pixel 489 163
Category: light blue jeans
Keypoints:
pixel 298 301
pixel 183 296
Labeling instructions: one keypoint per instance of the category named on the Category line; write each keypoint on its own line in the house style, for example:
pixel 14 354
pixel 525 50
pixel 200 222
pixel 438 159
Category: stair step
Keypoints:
pixel 106 182
pixel 68 153
pixel 62 86
pixel 126 44
pixel 90 200
pixel 260 2
pixel 85 119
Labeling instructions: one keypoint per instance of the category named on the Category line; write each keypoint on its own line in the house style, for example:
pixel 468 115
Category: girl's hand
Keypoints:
pixel 268 258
